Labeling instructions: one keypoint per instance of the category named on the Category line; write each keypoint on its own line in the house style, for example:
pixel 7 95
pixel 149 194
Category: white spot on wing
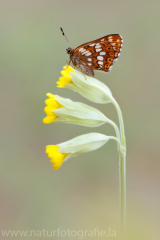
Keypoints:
pixel 88 54
pixel 110 38
pixel 102 53
pixel 99 57
pixel 89 59
pixel 81 50
pixel 90 64
pixel 100 63
pixel 98 45
pixel 91 45
pixel 98 49
pixel 86 51
pixel 102 39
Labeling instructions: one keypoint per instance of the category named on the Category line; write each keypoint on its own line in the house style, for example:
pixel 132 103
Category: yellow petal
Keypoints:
pixel 53 103
pixel 68 69
pixel 53 148
pixel 48 111
pixel 60 86
pixel 56 157
pixel 65 80
pixel 50 102
pixel 50 95
pixel 65 73
pixel 55 168
pixel 50 119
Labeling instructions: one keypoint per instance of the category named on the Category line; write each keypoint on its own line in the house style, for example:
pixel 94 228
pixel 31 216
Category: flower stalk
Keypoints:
pixel 122 189
pixel 64 110
pixel 85 143
pixel 122 169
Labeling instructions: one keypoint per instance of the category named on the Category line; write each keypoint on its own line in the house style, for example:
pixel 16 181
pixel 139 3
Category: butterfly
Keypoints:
pixel 99 54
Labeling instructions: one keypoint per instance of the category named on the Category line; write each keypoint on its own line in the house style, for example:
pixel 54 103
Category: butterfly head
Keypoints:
pixel 69 50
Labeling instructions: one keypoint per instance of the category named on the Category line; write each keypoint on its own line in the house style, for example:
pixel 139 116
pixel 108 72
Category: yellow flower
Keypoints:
pixel 56 157
pixel 52 105
pixel 65 79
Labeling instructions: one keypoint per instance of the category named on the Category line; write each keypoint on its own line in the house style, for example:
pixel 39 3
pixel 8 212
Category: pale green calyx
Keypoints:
pixel 90 88
pixel 84 143
pixel 78 113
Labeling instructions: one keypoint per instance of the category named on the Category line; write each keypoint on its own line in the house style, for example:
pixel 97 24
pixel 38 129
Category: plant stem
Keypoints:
pixel 114 138
pixel 117 134
pixel 120 121
pixel 122 188
pixel 122 170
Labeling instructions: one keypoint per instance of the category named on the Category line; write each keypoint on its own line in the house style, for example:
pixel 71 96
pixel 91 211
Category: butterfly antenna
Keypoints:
pixel 64 36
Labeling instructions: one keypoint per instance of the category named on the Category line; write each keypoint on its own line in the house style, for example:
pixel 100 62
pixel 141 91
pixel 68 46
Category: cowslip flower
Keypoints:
pixel 65 79
pixel 90 88
pixel 60 109
pixel 85 143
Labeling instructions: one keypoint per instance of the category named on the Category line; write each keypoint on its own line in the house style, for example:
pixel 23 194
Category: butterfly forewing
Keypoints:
pixel 100 54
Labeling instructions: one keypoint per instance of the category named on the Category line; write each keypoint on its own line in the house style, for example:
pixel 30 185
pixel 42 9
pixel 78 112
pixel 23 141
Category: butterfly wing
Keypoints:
pixel 116 40
pixel 100 54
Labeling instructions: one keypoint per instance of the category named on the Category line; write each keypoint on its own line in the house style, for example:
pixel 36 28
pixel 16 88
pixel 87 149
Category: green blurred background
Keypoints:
pixel 84 192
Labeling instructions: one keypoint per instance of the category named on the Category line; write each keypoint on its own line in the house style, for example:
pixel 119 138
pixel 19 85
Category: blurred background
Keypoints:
pixel 84 193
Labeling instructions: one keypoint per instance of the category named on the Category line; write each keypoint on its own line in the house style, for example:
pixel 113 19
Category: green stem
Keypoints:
pixel 120 121
pixel 114 138
pixel 122 169
pixel 122 187
pixel 117 134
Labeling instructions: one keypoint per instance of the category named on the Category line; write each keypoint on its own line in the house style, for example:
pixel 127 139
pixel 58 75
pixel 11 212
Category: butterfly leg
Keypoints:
pixel 86 70
pixel 68 62
pixel 84 75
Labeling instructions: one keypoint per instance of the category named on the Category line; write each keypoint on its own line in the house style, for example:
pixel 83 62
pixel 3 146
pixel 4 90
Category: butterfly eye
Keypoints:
pixel 69 50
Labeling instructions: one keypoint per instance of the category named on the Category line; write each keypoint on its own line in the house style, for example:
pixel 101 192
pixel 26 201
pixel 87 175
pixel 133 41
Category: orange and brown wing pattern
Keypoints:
pixel 116 41
pixel 98 56
pixel 101 53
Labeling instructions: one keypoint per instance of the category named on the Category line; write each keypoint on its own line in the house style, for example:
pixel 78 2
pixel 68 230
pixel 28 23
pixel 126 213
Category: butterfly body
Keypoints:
pixel 99 54
pixel 77 62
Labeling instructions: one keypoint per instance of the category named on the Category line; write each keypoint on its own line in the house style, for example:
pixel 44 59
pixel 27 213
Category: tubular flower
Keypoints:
pixel 90 88
pixel 52 104
pixel 84 143
pixel 65 110
pixel 65 79
pixel 56 157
